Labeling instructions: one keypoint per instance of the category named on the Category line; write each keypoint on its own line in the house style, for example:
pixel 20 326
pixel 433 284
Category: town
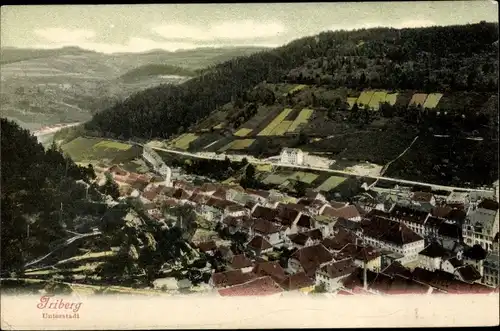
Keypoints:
pixel 390 240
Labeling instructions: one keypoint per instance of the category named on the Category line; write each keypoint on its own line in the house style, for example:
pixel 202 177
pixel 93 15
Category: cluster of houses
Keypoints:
pixel 412 243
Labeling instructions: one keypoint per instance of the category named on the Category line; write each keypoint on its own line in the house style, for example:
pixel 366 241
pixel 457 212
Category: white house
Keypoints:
pixel 432 257
pixel 393 236
pixel 292 156
pixel 332 274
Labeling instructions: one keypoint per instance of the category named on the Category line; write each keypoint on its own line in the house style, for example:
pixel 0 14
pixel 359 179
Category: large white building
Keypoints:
pixel 292 156
pixel 481 224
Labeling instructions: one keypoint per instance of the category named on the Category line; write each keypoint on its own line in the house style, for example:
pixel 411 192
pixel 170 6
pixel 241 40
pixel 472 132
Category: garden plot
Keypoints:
pixel 351 101
pixel 184 140
pixel 275 122
pixel 432 100
pixel 391 98
pixel 331 183
pixel 364 98
pixel 302 118
pixel 377 98
pixel 238 144
pixel 418 99
pixel 242 132
pixel 282 128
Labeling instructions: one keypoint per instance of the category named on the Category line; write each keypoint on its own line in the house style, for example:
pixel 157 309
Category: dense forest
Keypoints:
pixel 42 194
pixel 452 58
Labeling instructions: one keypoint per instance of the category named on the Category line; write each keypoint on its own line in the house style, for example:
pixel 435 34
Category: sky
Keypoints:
pixel 139 28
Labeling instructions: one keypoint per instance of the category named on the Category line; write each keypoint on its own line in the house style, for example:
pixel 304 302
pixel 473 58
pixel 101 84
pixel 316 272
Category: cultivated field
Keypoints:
pixel 274 123
pixel 302 118
pixel 364 98
pixel 331 183
pixel 237 145
pixel 183 141
pixel 432 100
pixel 242 132
pixel 418 99
pixel 377 98
pixel 89 150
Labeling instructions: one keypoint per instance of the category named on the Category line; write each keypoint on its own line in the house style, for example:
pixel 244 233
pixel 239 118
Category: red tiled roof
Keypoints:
pixel 389 231
pixel 115 169
pixel 347 212
pixel 311 257
pixel 257 287
pixel 339 240
pixel 240 261
pixel 261 193
pixel 270 268
pixel 339 268
pixel 180 194
pixel 153 192
pixel 297 281
pixel 208 187
pixel 396 268
pixel 264 227
pixel 265 213
pixel 220 193
pixel 361 253
pixel 447 282
pixel 259 243
pixel 298 238
pixel 337 205
pixel 231 277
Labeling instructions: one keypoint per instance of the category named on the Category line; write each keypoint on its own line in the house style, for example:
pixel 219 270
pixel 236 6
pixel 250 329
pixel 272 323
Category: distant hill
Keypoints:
pixel 49 86
pixel 155 70
pixel 353 96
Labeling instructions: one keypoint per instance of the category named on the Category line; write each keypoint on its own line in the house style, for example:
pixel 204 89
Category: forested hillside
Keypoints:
pixel 40 196
pixel 438 59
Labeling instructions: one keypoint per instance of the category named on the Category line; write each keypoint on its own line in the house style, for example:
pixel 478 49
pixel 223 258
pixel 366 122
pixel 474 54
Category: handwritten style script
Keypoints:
pixel 48 302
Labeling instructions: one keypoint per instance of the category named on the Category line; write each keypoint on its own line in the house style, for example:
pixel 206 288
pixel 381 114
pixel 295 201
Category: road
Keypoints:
pixel 257 161
pixel 64 244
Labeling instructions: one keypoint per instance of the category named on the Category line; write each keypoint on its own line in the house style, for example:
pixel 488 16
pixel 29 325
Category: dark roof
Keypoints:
pixel 488 204
pixel 259 243
pixel 287 214
pixel 434 250
pixel 314 234
pixel 336 204
pixel 298 238
pixel 312 257
pixel 270 268
pixel 208 187
pixel 360 253
pixel 256 287
pixel 265 213
pixel 376 212
pixel 265 227
pixel 240 261
pixel 422 196
pixel 434 222
pixel 468 273
pixel 231 277
pixel 220 203
pixel 339 240
pixel 389 231
pixel 207 246
pixel 475 252
pixel 305 201
pixel 441 211
pixel 220 193
pixel 457 215
pixel 347 224
pixel 199 198
pixel 408 214
pixel 297 281
pixel 456 262
pixel 445 281
pixel 396 268
pixel 450 230
pixel 339 268
pixel 305 221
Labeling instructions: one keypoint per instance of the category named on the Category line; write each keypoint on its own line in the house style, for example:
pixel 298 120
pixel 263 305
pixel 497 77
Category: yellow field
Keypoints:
pixel 351 102
pixel 302 118
pixel 331 183
pixel 218 126
pixel 275 122
pixel 238 144
pixel 183 141
pixel 365 97
pixel 281 128
pixel 391 98
pixel 296 89
pixel 264 167
pixel 242 132
pixel 112 145
pixel 418 99
pixel 376 99
pixel 432 100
